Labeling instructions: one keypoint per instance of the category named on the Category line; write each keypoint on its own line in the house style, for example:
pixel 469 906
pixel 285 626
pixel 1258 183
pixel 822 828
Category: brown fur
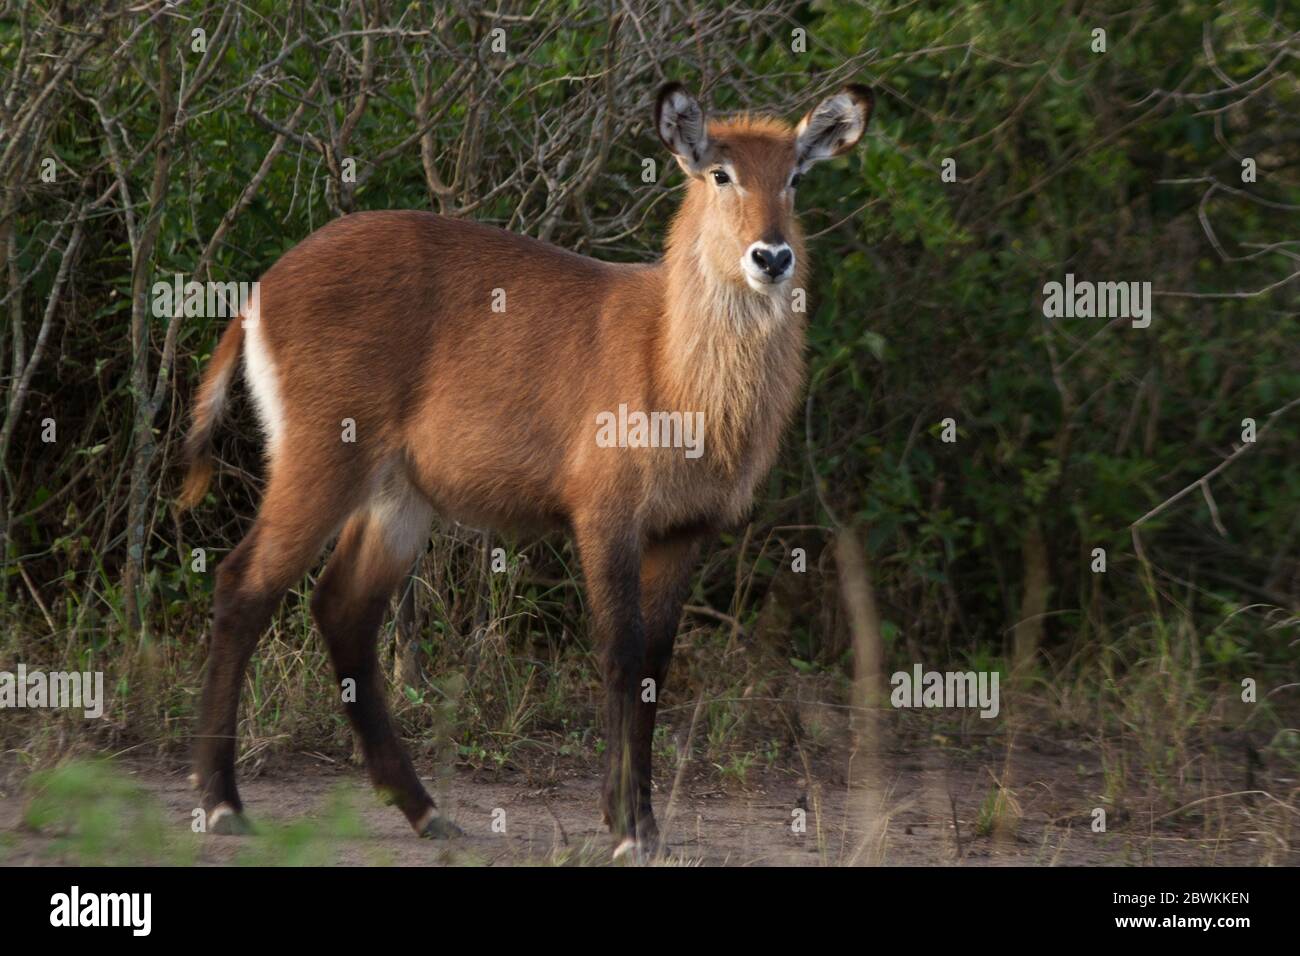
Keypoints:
pixel 198 445
pixel 489 418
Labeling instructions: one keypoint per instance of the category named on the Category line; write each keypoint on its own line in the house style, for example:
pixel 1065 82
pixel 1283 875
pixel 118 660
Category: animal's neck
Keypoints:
pixel 731 352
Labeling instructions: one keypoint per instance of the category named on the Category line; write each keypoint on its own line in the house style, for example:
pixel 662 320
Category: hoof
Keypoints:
pixel 227 821
pixel 435 827
pixel 633 849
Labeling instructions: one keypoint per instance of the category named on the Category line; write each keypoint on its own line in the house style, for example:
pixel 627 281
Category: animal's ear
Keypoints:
pixel 834 126
pixel 680 122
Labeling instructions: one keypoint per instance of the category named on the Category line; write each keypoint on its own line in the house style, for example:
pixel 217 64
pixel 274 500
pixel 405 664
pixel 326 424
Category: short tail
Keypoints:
pixel 208 407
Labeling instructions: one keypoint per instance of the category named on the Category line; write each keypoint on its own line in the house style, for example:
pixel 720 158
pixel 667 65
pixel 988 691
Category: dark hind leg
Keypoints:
pixel 373 555
pixel 297 516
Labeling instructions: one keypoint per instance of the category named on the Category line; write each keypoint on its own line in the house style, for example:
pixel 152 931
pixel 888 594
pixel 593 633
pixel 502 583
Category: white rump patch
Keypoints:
pixel 263 381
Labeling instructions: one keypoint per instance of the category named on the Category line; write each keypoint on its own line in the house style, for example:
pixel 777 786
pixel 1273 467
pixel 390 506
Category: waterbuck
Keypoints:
pixel 406 365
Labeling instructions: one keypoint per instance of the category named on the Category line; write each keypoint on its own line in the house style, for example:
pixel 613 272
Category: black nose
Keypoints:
pixel 774 263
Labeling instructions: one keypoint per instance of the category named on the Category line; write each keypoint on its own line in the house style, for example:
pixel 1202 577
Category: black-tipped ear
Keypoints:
pixel 835 125
pixel 865 97
pixel 681 124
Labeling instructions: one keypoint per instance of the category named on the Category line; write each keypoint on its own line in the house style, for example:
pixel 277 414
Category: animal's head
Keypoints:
pixel 745 173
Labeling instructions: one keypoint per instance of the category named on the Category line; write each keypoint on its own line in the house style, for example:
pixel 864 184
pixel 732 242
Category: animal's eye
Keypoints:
pixel 794 181
pixel 720 177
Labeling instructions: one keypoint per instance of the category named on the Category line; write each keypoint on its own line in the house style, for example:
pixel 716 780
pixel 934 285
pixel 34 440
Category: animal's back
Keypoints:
pixel 465 350
pixel 395 286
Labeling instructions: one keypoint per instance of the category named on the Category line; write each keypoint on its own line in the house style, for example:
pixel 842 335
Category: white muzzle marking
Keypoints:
pixel 759 278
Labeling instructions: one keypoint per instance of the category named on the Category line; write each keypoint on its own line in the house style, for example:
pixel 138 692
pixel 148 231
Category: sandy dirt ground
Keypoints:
pixel 925 808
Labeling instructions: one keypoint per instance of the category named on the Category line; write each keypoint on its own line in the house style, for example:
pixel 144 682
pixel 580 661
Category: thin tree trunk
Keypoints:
pixel 1033 602
pixel 144 446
